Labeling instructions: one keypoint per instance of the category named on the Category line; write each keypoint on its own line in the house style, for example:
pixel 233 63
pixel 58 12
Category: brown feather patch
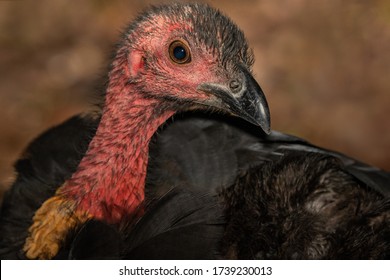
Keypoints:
pixel 51 224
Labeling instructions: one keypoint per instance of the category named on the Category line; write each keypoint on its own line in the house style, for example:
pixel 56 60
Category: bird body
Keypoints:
pixel 250 184
pixel 150 173
pixel 164 64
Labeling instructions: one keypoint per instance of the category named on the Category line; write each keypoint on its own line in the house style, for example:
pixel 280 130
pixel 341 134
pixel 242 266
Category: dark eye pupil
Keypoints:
pixel 179 53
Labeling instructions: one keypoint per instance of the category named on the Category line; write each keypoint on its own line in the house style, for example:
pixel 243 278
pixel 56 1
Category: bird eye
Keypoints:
pixel 179 52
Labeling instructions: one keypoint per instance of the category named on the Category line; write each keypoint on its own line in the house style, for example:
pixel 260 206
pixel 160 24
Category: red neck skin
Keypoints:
pixel 110 180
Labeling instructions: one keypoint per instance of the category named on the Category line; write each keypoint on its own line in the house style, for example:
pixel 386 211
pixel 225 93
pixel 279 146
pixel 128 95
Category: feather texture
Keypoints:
pixel 273 196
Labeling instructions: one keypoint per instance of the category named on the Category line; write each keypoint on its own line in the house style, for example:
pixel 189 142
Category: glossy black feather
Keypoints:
pixel 95 240
pixel 46 163
pixel 178 225
pixel 212 150
pixel 200 154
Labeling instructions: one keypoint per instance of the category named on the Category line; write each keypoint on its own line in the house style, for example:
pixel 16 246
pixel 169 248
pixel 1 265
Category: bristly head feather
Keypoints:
pixel 208 25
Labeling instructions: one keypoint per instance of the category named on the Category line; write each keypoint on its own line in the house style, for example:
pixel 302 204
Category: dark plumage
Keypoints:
pixel 178 225
pixel 276 196
pixel 207 186
pixel 164 64
pixel 47 162
pixel 305 206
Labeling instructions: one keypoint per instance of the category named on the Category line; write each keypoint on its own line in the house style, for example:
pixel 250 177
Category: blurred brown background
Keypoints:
pixel 324 66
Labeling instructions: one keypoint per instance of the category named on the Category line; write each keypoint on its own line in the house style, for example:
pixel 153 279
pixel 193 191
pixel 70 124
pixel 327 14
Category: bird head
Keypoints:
pixel 191 57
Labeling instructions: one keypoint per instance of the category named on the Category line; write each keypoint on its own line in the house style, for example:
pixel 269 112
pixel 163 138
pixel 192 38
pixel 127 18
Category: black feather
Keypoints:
pixel 95 240
pixel 47 162
pixel 179 225
pixel 202 156
pixel 304 206
pixel 212 150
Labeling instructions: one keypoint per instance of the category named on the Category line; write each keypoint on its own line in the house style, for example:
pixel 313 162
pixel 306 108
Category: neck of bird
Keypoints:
pixel 110 180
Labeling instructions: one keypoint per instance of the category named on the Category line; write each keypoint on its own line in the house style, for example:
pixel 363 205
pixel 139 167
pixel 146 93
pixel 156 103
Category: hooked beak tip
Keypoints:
pixel 249 103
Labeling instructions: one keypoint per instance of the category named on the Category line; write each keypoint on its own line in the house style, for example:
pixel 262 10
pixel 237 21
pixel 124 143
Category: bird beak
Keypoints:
pixel 243 98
